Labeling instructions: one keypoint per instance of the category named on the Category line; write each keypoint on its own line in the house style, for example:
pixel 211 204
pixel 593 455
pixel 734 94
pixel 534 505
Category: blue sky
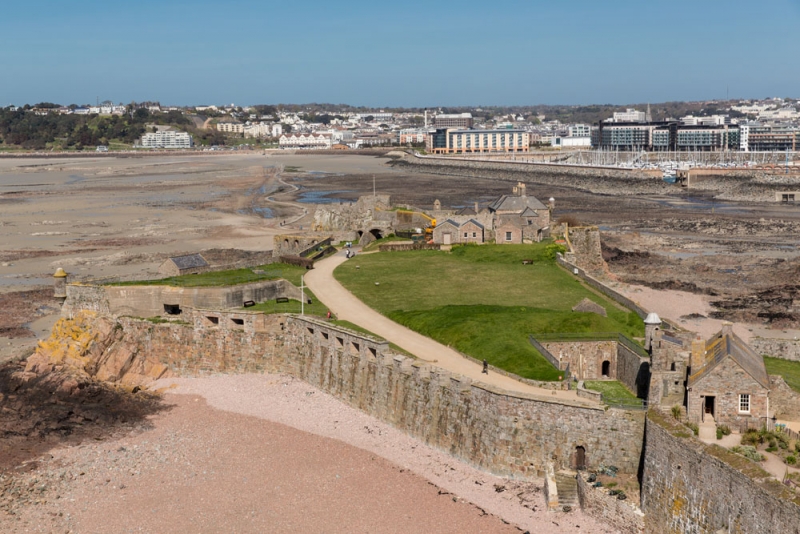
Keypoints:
pixel 412 53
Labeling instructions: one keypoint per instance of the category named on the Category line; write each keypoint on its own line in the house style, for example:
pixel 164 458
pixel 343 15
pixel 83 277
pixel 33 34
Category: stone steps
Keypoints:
pixel 567 489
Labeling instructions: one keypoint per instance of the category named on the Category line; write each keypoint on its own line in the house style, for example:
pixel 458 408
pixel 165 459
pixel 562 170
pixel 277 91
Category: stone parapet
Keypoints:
pixel 688 486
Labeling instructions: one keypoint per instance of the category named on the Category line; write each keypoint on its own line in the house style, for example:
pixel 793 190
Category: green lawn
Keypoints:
pixel 482 301
pixel 231 277
pixel 293 306
pixel 790 371
pixel 612 389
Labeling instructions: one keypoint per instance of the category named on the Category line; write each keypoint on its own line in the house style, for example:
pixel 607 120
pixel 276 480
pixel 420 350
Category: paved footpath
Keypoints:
pixel 346 306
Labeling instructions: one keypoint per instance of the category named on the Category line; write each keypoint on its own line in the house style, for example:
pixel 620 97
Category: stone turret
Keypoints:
pixel 652 324
pixel 60 284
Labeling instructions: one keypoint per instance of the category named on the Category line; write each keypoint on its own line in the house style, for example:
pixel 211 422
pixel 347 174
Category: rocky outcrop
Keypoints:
pixel 88 346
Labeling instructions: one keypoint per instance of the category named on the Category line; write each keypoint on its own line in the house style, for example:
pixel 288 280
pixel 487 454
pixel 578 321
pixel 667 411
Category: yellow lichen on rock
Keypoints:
pixel 68 345
pixel 92 345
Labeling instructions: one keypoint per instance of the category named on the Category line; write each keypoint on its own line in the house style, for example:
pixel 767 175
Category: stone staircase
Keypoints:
pixel 567 489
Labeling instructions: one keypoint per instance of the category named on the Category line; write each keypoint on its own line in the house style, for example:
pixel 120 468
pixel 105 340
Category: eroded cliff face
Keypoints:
pixel 88 346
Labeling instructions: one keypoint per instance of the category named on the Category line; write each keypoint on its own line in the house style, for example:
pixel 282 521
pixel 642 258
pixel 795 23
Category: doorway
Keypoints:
pixel 580 457
pixel 708 407
pixel 446 239
pixel 606 368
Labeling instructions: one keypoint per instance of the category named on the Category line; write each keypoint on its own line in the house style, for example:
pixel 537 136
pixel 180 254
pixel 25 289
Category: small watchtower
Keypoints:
pixel 60 284
pixel 652 324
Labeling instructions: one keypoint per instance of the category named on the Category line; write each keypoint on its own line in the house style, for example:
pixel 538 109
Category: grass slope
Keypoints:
pixel 482 301
pixel 789 370
pixel 230 277
pixel 612 390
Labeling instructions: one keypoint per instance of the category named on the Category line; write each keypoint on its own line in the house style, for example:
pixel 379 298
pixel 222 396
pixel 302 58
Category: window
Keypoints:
pixel 744 403
pixel 474 234
pixel 466 234
pixel 508 236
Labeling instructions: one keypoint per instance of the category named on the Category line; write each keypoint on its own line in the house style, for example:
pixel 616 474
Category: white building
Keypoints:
pixel 630 115
pixel 167 139
pixel 277 130
pixel 230 127
pixel 412 135
pixel 311 140
pixel 571 142
pixel 744 137
pixel 714 120
pixel 579 130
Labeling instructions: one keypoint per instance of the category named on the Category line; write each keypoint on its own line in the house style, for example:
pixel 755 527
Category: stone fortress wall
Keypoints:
pixel 687 487
pixel 507 434
pixel 149 301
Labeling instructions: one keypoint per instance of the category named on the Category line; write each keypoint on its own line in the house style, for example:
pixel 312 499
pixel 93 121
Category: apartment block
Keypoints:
pixel 453 120
pixel 167 139
pixel 452 141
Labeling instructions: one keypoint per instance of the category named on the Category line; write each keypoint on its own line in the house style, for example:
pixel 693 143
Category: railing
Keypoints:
pixel 549 356
pixel 633 346
pixel 315 247
pixel 625 404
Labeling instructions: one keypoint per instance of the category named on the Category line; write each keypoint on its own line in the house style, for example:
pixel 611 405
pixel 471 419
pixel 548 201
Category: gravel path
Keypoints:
pixel 269 453
pixel 346 306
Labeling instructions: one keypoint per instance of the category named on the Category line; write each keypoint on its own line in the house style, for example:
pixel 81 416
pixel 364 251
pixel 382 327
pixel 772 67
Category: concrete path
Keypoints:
pixel 346 306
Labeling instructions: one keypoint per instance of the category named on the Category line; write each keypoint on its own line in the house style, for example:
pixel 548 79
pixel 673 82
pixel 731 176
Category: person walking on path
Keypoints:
pixel 485 367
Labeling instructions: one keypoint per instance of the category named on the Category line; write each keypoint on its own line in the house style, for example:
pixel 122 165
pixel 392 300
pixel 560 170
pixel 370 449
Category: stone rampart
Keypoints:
pixel 688 486
pixel 597 503
pixel 399 247
pixel 785 349
pixel 149 301
pixel 600 286
pixel 507 434
pixel 633 371
pixel 784 402
pixel 588 393
pixel 585 358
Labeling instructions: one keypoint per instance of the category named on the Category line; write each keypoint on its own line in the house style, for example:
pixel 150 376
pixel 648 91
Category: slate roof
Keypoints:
pixel 190 261
pixel 476 223
pixel 516 203
pixel 451 222
pixel 722 346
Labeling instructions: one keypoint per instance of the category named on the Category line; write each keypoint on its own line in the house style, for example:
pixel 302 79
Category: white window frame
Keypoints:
pixel 509 236
pixel 744 403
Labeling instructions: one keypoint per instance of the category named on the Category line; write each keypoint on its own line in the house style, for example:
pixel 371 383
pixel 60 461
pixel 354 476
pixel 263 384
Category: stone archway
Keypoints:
pixel 606 369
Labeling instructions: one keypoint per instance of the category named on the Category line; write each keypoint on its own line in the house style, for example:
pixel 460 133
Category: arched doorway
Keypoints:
pixel 580 457
pixel 606 369
pixel 377 234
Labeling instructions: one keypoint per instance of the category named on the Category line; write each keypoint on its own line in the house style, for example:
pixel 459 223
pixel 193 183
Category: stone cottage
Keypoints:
pixel 520 214
pixel 178 265
pixel 728 382
pixel 451 232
